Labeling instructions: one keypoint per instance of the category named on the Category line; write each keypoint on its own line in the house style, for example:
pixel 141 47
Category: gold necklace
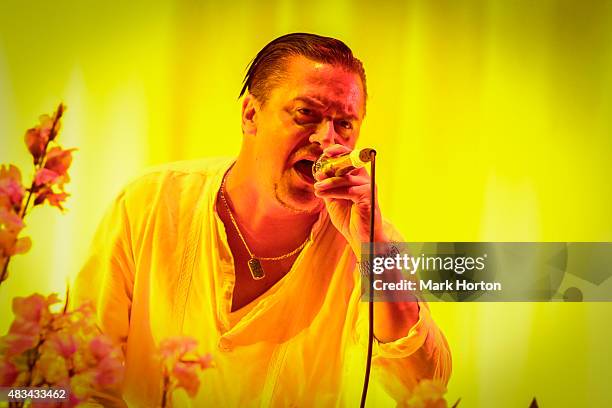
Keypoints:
pixel 257 271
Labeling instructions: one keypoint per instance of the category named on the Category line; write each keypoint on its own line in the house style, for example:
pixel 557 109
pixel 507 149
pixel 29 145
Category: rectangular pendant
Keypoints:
pixel 257 271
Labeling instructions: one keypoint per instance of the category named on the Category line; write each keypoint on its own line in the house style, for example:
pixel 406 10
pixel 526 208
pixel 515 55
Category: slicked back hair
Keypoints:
pixel 267 69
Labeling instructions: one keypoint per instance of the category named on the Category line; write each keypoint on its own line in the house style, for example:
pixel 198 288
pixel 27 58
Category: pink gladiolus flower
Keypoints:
pixel 34 308
pixel 86 310
pixel 10 246
pixel 54 199
pixel 10 221
pixel 108 372
pixel 176 347
pixel 22 246
pixel 52 366
pixel 59 112
pixel 11 189
pixel 25 327
pixel 36 140
pixel 59 160
pixel 57 199
pixel 205 361
pixel 46 123
pixel 45 177
pixel 10 227
pixel 8 373
pixel 73 401
pixel 82 360
pixel 80 384
pixel 15 344
pixel 181 365
pixel 54 173
pixel 186 376
pixel 69 349
pixel 101 347
pixel 31 314
pixel 65 344
pixel 49 404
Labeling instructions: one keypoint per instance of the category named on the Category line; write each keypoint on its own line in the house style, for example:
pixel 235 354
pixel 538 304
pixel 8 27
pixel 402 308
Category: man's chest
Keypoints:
pixel 246 287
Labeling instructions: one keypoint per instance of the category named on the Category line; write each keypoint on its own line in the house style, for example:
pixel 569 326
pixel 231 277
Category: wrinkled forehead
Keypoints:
pixel 333 86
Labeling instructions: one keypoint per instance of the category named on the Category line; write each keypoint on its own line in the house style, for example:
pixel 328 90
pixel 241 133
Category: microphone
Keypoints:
pixel 340 165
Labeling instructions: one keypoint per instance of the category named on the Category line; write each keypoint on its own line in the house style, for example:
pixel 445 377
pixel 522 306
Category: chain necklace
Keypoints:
pixel 257 271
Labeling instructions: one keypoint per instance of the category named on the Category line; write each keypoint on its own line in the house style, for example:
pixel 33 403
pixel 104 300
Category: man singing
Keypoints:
pixel 256 259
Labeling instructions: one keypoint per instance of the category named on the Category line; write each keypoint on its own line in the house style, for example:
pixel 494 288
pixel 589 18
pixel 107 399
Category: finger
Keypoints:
pixel 356 194
pixel 320 176
pixel 347 180
pixel 361 171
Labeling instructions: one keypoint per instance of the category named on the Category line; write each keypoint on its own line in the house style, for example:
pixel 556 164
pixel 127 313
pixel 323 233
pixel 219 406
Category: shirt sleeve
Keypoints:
pixel 423 353
pixel 107 280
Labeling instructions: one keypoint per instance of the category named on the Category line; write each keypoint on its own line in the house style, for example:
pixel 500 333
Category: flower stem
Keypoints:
pixel 24 209
pixel 4 270
pixel 165 390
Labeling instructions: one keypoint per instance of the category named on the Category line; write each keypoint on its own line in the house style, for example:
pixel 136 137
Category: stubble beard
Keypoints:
pixel 283 197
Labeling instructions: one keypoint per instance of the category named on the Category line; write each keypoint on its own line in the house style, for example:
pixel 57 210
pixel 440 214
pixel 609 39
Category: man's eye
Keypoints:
pixel 306 111
pixel 346 124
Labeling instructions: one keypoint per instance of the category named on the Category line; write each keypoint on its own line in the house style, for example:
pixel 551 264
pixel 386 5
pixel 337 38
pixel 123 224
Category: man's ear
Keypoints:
pixel 250 108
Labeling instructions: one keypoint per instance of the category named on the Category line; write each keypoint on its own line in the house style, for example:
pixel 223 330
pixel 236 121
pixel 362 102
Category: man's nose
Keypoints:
pixel 325 135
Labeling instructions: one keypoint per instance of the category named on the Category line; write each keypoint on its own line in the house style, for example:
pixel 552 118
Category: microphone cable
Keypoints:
pixel 366 379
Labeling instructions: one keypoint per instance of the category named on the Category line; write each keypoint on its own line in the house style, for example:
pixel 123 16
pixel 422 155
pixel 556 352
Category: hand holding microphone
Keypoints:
pixel 344 186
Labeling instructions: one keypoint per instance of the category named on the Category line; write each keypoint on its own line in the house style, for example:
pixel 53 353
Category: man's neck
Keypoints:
pixel 269 228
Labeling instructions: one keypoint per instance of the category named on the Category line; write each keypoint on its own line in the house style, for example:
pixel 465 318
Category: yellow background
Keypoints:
pixel 492 121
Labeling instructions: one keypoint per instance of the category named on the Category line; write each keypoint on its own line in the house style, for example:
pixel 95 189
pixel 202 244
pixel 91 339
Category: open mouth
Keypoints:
pixel 304 169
